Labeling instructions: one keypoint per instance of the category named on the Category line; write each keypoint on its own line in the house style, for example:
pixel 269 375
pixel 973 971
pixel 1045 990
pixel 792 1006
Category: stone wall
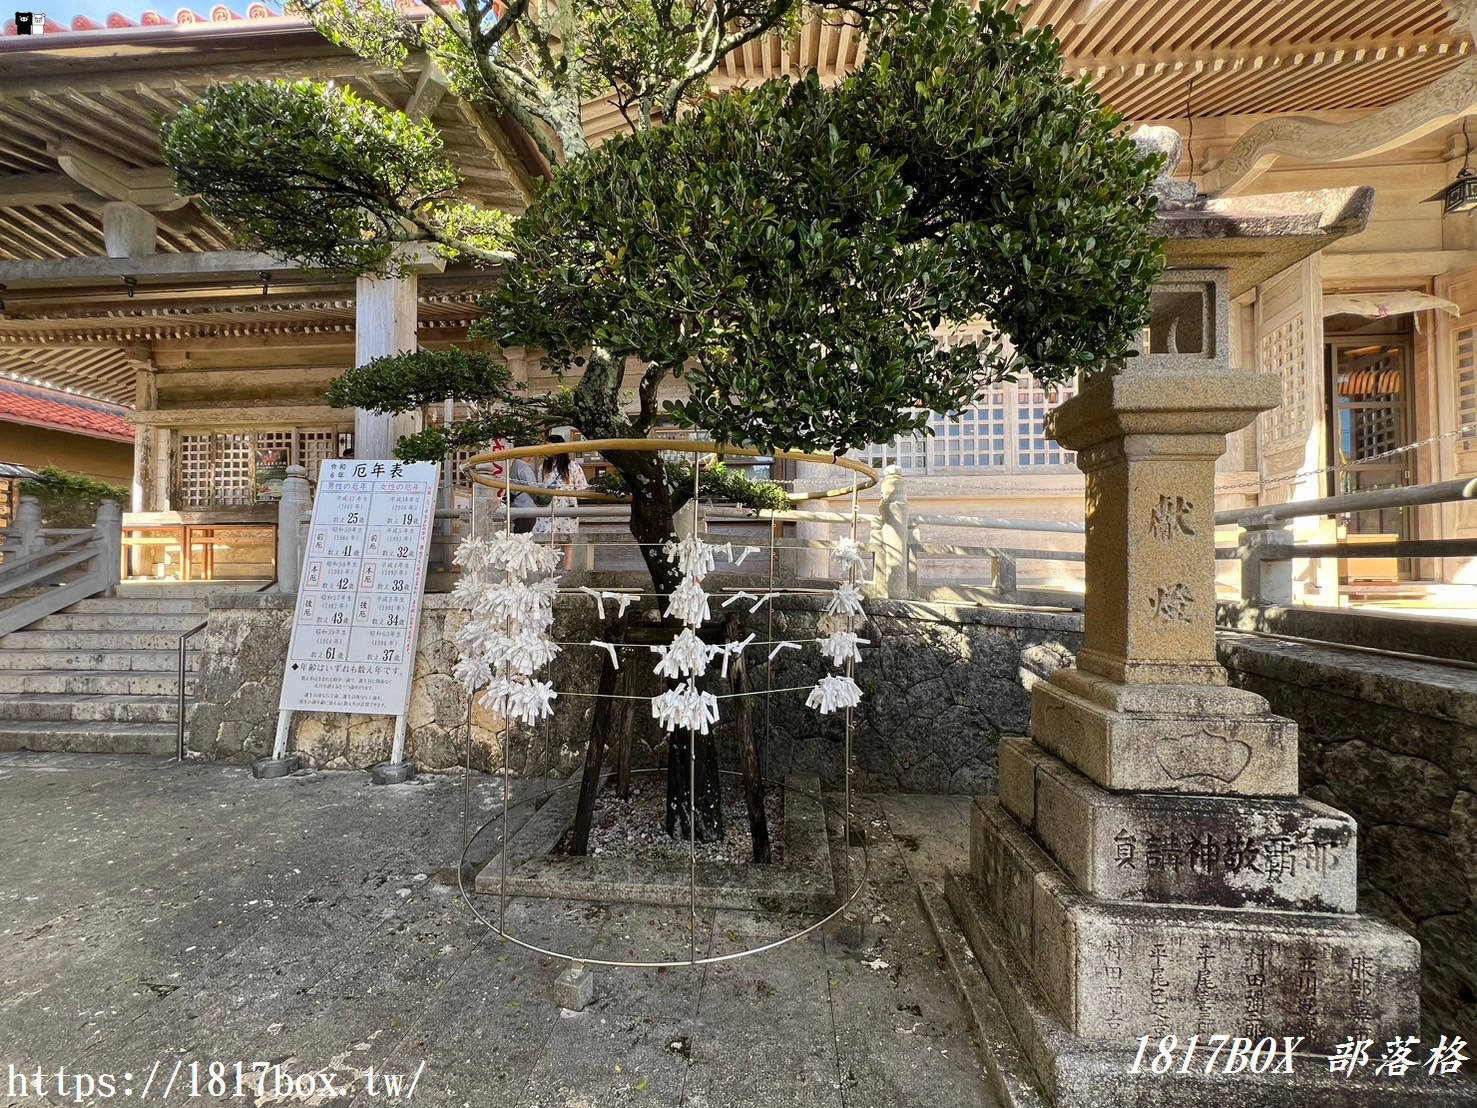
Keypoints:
pixel 942 684
pixel 1393 743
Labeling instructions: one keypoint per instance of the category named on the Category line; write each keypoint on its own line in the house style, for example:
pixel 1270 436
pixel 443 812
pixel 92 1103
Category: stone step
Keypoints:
pixel 145 638
pixel 102 737
pixel 71 682
pixel 140 606
pixel 99 661
pixel 17 707
pixel 170 590
pixel 73 620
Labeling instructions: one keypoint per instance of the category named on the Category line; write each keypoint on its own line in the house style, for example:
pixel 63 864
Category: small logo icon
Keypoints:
pixel 29 23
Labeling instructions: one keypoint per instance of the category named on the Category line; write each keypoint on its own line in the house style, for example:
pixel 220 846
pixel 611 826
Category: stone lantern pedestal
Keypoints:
pixel 1149 869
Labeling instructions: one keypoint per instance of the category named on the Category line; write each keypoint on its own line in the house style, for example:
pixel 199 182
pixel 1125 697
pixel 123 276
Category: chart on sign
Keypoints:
pixel 358 605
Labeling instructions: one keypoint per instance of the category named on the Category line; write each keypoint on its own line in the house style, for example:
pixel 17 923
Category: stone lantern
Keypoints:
pixel 1149 868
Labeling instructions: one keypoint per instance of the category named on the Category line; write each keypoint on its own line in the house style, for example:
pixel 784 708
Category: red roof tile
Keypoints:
pixel 60 411
pixel 183 17
pixel 220 13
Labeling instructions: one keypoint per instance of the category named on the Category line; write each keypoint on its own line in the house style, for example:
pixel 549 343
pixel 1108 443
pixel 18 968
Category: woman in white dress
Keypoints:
pixel 561 471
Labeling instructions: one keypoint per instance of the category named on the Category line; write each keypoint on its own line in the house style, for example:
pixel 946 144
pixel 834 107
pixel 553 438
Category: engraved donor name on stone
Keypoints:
pixel 1361 996
pixel 1254 967
pixel 1203 753
pixel 1270 857
pixel 1158 991
pixel 1170 519
pixel 1306 985
pixel 1205 987
pixel 1172 605
pixel 1113 987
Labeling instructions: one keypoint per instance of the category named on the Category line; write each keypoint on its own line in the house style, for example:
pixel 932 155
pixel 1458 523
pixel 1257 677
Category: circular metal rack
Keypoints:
pixel 863 477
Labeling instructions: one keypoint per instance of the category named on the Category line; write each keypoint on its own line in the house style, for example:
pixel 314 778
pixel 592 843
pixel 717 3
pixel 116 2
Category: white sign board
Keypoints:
pixel 359 601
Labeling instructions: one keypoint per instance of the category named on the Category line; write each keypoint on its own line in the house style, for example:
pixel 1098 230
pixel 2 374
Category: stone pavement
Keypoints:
pixel 189 914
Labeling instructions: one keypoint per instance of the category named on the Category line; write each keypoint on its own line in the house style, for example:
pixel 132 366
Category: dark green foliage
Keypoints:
pixel 790 250
pixel 313 172
pixel 405 381
pixel 70 500
pixel 1040 204
pixel 716 481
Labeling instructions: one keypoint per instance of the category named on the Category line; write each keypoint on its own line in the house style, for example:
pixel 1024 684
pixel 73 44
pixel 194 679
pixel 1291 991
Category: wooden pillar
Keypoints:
pixel 128 230
pixel 146 399
pixel 811 477
pixel 384 324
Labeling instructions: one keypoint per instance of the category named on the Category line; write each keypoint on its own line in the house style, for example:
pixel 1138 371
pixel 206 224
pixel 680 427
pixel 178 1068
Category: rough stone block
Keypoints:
pixel 1229 852
pixel 1003 867
pixel 1229 755
pixel 1017 777
pixel 1112 970
pixel 575 987
pixel 1073 1073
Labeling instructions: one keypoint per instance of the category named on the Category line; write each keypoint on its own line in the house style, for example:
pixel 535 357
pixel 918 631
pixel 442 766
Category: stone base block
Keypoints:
pixel 1225 752
pixel 1035 1054
pixel 1110 969
pixel 574 988
pixel 1226 851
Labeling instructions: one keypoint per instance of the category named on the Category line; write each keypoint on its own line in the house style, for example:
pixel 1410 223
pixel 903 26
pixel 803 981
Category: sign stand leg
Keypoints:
pixel 397 769
pixel 279 763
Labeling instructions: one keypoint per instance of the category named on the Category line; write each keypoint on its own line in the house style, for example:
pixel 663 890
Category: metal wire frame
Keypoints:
pixel 500 927
pixel 500 930
pixel 658 446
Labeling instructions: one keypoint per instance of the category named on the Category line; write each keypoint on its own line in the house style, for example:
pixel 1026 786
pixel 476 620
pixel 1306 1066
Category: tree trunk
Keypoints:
pixel 624 739
pixel 598 412
pixel 750 761
pixel 653 505
pixel 709 808
pixel 600 734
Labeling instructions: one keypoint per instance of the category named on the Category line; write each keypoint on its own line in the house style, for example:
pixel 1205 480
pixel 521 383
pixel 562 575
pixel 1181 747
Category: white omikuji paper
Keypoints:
pixel 359 601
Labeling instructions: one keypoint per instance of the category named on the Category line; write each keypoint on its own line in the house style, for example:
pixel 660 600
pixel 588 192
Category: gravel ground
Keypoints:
pixel 633 828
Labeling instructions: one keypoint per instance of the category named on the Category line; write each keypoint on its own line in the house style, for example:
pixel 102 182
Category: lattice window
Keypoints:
pixel 1466 386
pixel 194 471
pixel 314 448
pixel 1285 352
pixel 234 478
pixel 1033 401
pixel 1003 431
pixel 977 438
pixel 218 469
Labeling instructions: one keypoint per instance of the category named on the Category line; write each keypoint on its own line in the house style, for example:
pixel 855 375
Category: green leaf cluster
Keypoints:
pixel 791 251
pixel 716 481
pixel 406 382
pixel 70 500
pixel 311 171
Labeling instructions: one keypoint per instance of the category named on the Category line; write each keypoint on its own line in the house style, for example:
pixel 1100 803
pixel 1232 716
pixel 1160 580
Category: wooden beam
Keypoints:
pixel 128 230
pixel 62 271
pixel 220 263
pixel 25 190
pixel 113 180
pixel 246 414
pixel 491 132
pixel 430 90
pixel 1084 11
pixel 1444 101
pixel 1394 264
